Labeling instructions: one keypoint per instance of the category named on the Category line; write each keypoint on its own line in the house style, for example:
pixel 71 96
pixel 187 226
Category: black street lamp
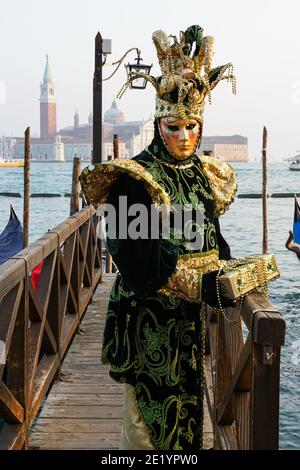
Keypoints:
pixel 137 70
pixel 135 79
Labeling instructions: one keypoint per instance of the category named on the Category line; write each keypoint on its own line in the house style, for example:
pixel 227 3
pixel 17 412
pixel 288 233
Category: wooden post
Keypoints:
pixel 116 146
pixel 265 246
pixel 268 337
pixel 18 355
pixel 108 264
pixel 97 101
pixel 74 203
pixel 26 188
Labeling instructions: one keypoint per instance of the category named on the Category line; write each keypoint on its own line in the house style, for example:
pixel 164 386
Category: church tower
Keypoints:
pixel 76 120
pixel 47 104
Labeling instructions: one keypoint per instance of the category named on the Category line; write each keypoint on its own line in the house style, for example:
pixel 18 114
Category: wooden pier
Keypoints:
pixel 56 394
pixel 84 408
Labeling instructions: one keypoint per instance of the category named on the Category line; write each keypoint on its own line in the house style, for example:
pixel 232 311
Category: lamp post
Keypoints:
pixel 97 101
pixel 102 49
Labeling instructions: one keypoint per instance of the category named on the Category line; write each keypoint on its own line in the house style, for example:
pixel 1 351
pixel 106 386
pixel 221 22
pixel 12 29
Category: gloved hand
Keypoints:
pixel 209 291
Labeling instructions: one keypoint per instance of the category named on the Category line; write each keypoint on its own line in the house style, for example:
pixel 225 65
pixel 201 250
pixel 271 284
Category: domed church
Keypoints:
pixel 114 115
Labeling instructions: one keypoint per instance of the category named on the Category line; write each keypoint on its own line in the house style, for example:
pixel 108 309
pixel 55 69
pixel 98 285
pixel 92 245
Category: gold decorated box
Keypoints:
pixel 246 274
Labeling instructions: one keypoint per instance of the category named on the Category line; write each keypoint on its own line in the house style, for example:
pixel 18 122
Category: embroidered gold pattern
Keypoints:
pixel 223 182
pixel 186 282
pixel 246 274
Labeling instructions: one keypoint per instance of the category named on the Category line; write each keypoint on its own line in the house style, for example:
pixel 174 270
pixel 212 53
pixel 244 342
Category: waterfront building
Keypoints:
pixel 76 140
pixel 227 148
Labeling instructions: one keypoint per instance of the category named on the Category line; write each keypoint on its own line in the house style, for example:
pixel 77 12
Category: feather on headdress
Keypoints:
pixel 187 76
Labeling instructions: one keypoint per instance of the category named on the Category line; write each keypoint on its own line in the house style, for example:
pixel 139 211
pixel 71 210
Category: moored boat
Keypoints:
pixel 11 162
pixel 11 239
pixel 294 164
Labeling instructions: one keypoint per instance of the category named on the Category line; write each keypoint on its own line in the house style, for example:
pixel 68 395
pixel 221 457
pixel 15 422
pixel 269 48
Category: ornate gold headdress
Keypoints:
pixel 187 76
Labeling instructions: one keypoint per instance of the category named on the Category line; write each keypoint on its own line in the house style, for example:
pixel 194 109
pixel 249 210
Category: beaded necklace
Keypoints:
pixel 179 166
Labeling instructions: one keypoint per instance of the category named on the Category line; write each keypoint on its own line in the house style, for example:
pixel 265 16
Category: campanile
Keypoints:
pixel 47 104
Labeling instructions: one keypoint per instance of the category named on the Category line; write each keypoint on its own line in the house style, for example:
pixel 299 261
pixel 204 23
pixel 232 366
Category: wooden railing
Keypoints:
pixel 243 375
pixel 37 326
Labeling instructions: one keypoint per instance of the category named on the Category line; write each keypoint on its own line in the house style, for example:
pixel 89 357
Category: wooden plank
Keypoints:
pixel 12 437
pixel 113 388
pixel 81 425
pixel 85 295
pixel 243 358
pixel 38 251
pixel 256 309
pixel 35 336
pixel 52 332
pixel 85 275
pixel 243 419
pixel 74 275
pixel 91 347
pixel 12 272
pixel 223 375
pixel 46 278
pixel 71 441
pixel 69 328
pixel 10 409
pixel 227 437
pixel 269 328
pixel 264 405
pixel 44 376
pixel 75 360
pixel 89 399
pixel 37 315
pixel 87 368
pixel 67 258
pixel 17 361
pixel 9 307
pixel 105 411
pixel 82 378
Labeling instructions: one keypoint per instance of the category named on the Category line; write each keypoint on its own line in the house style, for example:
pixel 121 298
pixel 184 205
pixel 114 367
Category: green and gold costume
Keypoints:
pixel 153 341
pixel 154 336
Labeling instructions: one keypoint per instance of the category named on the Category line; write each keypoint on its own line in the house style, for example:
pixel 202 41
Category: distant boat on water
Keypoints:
pixel 294 164
pixel 11 162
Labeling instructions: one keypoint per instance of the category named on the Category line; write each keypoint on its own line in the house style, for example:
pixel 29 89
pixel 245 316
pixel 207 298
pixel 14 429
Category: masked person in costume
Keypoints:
pixel 155 327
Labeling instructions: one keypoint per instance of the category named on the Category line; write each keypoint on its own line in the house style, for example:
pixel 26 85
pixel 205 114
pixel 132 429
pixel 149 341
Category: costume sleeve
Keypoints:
pixel 224 248
pixel 145 264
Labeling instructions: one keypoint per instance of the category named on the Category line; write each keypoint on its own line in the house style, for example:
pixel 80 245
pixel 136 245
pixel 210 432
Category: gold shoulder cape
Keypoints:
pixel 97 181
pixel 223 182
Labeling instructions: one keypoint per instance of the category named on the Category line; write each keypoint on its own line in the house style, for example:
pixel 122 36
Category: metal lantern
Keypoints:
pixel 138 68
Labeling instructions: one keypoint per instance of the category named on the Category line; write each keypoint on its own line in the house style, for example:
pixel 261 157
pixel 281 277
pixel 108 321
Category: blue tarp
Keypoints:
pixel 11 239
pixel 296 227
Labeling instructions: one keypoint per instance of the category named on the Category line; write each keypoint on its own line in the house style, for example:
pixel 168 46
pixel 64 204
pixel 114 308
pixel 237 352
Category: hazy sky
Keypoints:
pixel 260 37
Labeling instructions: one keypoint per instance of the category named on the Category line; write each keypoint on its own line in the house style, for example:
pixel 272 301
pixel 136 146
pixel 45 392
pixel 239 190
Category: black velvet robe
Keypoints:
pixel 151 341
